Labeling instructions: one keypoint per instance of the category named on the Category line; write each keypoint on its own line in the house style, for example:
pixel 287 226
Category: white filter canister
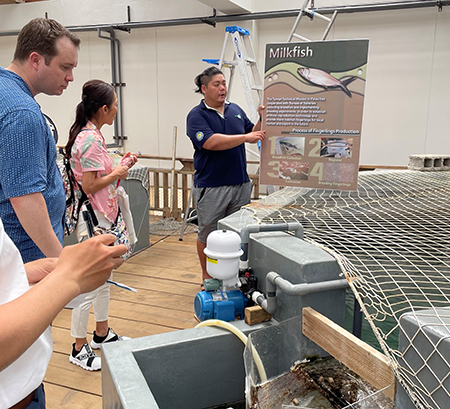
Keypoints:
pixel 223 250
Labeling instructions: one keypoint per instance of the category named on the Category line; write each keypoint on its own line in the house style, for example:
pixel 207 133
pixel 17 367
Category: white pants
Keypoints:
pixel 98 298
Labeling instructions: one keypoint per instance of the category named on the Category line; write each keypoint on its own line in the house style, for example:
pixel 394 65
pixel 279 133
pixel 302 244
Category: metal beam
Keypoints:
pixel 212 20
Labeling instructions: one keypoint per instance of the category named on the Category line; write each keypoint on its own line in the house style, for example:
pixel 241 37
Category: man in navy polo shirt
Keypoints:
pixel 218 130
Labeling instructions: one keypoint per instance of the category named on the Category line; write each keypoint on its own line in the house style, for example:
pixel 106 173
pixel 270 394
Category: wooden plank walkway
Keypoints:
pixel 167 277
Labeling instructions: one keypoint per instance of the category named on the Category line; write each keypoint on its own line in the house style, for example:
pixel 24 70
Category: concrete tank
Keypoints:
pixel 203 367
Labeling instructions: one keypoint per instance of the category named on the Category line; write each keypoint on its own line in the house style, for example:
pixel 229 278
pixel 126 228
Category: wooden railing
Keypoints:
pixel 160 191
pixel 160 185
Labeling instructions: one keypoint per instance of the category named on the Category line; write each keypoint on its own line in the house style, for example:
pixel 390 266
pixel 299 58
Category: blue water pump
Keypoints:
pixel 221 305
pixel 221 300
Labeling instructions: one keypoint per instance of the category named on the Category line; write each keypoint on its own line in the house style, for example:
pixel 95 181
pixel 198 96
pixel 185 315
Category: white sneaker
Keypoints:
pixel 86 358
pixel 111 336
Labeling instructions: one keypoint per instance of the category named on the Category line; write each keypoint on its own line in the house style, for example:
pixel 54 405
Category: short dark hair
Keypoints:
pixel 40 35
pixel 205 77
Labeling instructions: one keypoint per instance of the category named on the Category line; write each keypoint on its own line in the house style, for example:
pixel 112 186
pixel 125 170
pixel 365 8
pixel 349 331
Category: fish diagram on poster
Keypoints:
pixel 325 80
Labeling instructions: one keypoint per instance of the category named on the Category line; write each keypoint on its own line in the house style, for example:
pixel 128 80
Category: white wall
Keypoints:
pixel 406 110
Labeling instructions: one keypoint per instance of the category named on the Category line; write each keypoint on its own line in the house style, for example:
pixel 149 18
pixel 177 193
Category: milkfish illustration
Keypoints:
pixel 324 79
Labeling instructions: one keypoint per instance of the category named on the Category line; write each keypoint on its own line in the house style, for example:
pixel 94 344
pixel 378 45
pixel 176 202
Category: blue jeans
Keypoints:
pixel 39 399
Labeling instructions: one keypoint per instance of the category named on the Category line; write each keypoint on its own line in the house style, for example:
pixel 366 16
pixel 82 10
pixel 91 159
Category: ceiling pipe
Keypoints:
pixel 116 82
pixel 212 20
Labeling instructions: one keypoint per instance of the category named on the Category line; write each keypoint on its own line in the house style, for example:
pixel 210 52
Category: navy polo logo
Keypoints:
pixel 199 135
pixel 238 116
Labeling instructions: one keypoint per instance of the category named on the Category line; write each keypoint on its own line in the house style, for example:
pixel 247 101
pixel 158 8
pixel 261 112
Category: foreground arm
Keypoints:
pixel 38 269
pixel 31 210
pixel 24 319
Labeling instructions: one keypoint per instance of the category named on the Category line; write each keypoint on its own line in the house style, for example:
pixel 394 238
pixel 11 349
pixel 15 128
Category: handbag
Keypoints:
pixel 118 229
pixel 75 198
pixel 125 209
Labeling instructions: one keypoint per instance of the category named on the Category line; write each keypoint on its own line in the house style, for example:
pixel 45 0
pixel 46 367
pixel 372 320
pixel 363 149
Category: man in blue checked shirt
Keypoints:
pixel 32 200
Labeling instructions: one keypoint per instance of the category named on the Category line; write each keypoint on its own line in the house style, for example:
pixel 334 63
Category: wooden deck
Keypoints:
pixel 167 277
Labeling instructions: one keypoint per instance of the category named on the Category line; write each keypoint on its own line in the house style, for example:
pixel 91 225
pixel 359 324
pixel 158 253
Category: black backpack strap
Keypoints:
pixel 84 198
pixel 52 127
pixel 91 211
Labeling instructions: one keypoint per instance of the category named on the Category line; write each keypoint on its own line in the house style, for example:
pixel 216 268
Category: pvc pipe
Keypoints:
pixel 242 337
pixel 274 280
pixel 257 228
pixel 268 304
pixel 304 289
pixel 116 75
pixel 387 6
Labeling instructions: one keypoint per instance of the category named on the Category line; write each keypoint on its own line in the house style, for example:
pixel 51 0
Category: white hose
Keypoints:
pixel 242 337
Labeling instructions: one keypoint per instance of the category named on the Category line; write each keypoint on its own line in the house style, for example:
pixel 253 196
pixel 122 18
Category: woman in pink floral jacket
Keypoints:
pixel 94 170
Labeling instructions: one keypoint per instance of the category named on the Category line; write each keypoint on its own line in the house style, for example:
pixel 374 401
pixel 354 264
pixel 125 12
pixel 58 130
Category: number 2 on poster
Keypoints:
pixel 317 169
pixel 315 150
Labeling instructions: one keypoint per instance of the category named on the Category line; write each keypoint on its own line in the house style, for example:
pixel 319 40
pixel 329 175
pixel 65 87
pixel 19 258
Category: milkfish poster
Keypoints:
pixel 314 97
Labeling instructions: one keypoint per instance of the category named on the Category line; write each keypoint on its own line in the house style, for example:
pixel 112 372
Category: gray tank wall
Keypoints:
pixel 202 367
pixel 298 262
pixel 294 260
pixel 187 369
pixel 425 347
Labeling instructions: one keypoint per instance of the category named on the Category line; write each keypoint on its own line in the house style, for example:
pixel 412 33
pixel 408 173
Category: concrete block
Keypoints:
pixel 429 163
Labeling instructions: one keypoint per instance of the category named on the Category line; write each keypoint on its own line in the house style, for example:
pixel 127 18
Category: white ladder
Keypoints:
pixel 244 59
pixel 311 14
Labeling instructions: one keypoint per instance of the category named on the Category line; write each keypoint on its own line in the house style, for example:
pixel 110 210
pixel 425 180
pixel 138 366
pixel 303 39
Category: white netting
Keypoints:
pixel 170 226
pixel 391 239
